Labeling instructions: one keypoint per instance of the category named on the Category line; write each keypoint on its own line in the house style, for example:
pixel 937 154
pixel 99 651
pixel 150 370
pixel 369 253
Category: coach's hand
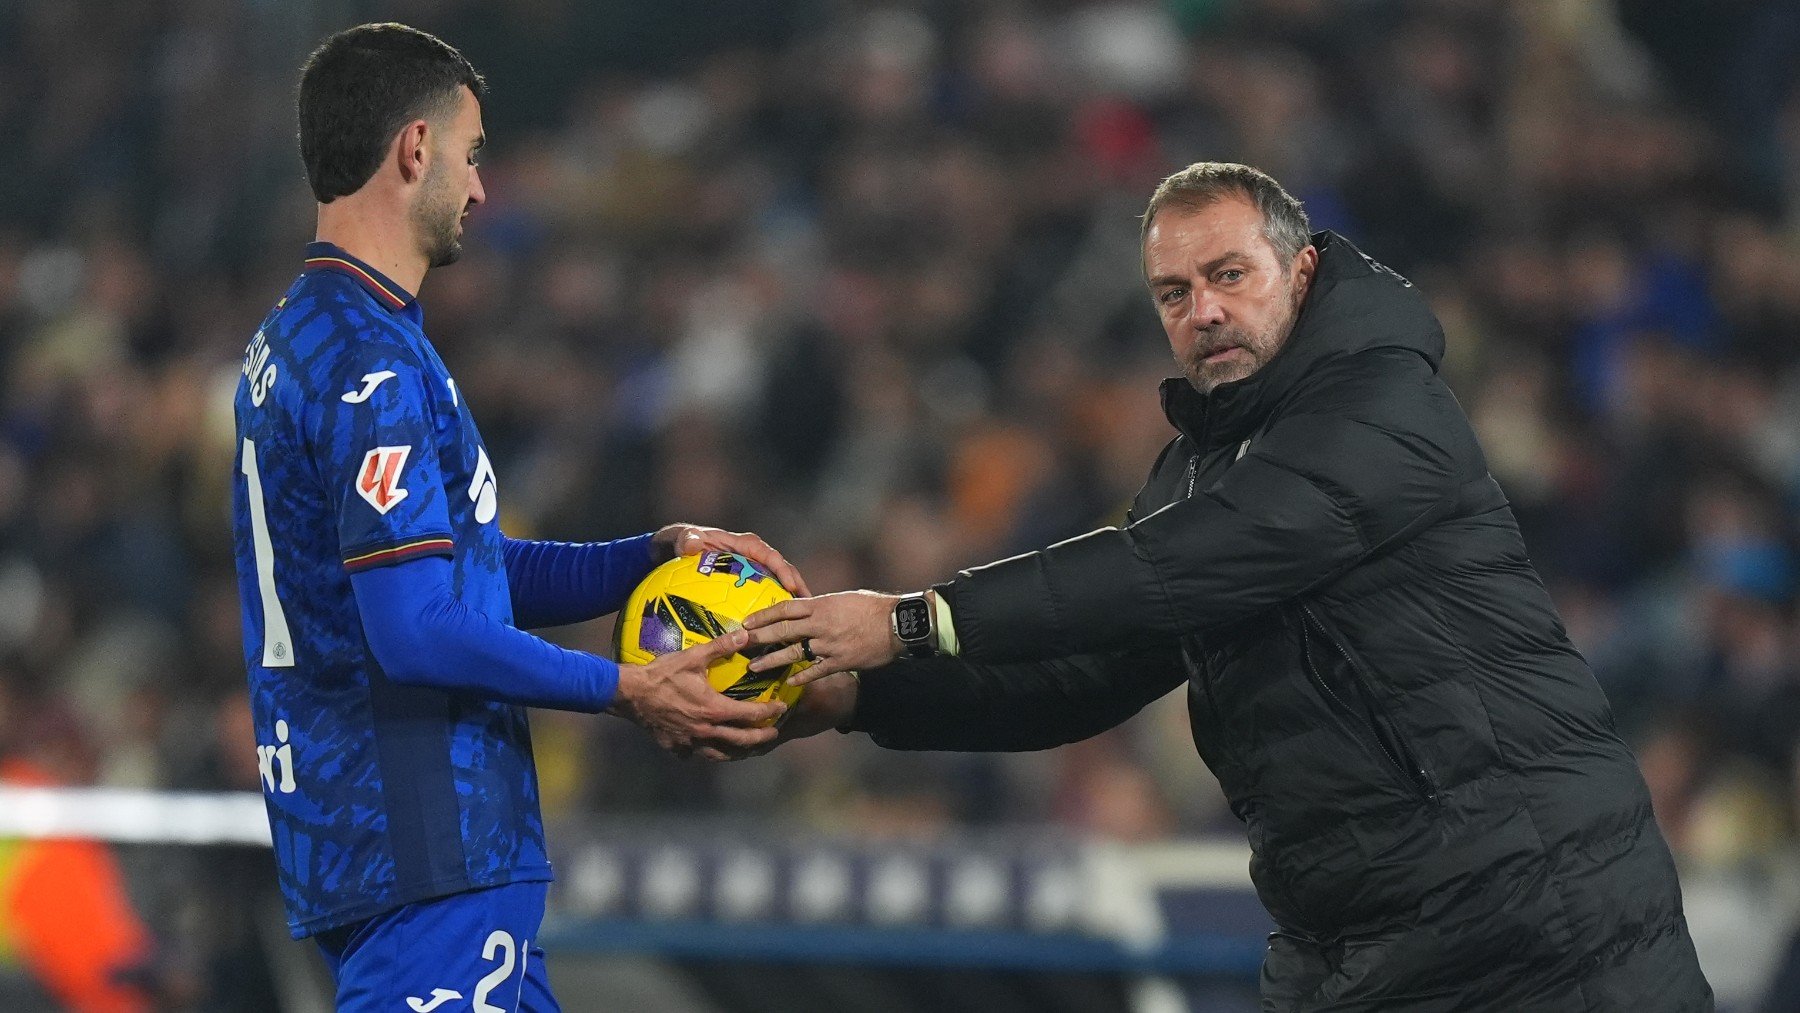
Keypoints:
pixel 844 632
pixel 692 539
pixel 828 703
pixel 672 700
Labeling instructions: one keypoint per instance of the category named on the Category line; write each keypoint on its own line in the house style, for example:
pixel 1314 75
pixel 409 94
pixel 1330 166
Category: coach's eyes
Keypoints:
pixel 1172 296
pixel 1230 275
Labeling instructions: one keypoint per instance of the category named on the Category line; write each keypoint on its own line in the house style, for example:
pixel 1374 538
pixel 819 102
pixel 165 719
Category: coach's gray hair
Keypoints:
pixel 1204 184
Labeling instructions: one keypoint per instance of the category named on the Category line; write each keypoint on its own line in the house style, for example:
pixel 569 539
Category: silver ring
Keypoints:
pixel 806 650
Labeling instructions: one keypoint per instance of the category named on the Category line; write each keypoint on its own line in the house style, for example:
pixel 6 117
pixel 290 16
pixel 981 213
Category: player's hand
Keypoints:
pixel 693 539
pixel 846 632
pixel 826 704
pixel 672 700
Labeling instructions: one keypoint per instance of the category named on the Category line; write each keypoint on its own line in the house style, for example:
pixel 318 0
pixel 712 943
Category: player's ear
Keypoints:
pixel 412 150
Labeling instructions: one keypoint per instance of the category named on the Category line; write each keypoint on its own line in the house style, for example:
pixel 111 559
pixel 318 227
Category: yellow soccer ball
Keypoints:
pixel 694 599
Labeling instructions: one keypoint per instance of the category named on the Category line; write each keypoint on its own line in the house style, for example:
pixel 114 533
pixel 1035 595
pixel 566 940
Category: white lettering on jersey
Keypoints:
pixel 439 996
pixel 378 481
pixel 370 381
pixel 258 369
pixel 283 753
pixel 452 385
pixel 483 490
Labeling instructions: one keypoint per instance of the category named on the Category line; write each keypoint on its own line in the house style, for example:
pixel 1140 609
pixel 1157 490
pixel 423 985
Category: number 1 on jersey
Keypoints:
pixel 278 649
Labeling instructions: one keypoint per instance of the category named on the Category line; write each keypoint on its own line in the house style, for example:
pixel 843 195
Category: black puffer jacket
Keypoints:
pixel 1440 813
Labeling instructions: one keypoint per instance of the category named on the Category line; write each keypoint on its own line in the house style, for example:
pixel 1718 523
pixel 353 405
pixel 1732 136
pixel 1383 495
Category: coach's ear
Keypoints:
pixel 412 151
pixel 1306 265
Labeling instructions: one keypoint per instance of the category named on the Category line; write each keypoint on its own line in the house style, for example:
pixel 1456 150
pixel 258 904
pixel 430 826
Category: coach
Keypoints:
pixel 1440 814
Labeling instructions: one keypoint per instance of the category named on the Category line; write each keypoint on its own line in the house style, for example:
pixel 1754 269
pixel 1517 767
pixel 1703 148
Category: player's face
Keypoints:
pixel 1227 301
pixel 452 185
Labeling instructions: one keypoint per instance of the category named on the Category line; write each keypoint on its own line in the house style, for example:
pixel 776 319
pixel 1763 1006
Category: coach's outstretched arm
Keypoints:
pixel 952 704
pixel 946 703
pixel 1344 476
pixel 1314 496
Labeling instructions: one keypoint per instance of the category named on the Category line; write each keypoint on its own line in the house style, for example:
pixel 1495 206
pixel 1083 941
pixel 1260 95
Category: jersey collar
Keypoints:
pixel 330 257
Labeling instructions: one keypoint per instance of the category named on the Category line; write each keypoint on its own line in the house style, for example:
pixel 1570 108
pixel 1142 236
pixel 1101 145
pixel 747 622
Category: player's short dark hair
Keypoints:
pixel 360 87
pixel 1204 184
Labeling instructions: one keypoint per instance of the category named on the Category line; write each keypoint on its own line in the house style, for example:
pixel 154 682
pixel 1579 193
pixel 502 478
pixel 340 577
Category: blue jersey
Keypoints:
pixel 357 450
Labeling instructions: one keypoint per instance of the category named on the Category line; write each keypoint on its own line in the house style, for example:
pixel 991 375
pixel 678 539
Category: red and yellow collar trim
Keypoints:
pixel 327 257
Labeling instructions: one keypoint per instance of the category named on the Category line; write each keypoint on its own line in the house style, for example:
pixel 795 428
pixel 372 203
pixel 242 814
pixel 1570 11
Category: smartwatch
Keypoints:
pixel 914 627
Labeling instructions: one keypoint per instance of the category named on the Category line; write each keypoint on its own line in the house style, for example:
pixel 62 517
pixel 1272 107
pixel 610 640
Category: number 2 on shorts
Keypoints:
pixel 501 942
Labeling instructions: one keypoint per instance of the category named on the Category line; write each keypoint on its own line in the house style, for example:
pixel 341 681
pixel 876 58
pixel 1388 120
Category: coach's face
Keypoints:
pixel 452 184
pixel 1227 300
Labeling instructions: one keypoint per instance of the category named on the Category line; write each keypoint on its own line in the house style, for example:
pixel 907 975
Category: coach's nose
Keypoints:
pixel 1208 311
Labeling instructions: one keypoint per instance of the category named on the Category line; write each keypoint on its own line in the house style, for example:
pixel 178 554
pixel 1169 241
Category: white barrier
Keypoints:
pixel 134 816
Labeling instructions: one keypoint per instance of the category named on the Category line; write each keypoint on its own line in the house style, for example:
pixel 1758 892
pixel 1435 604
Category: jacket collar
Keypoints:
pixel 1355 304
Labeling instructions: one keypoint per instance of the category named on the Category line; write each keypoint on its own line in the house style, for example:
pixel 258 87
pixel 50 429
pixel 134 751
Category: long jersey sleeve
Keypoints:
pixel 558 583
pixel 422 635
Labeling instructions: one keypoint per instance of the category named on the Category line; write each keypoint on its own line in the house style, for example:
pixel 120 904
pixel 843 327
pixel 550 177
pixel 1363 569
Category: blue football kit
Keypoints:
pixel 388 671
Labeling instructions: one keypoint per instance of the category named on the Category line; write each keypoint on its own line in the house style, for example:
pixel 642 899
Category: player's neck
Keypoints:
pixel 386 247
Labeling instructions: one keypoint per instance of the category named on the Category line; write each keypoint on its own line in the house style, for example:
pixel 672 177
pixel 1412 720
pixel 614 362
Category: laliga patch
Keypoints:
pixel 379 480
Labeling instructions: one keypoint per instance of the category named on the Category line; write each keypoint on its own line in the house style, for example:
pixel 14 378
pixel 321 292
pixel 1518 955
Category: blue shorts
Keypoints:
pixel 466 953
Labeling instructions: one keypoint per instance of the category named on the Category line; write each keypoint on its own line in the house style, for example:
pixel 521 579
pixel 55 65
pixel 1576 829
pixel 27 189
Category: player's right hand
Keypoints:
pixel 826 704
pixel 671 699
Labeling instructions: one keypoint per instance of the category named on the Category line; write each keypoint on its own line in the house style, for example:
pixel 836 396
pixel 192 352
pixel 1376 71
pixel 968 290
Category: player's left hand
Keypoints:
pixel 692 539
pixel 846 632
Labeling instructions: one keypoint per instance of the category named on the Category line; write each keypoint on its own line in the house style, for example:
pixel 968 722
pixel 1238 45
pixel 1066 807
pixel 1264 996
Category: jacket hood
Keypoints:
pixel 1355 305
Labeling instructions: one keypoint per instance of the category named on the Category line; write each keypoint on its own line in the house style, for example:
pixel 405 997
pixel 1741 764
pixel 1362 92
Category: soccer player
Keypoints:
pixel 383 606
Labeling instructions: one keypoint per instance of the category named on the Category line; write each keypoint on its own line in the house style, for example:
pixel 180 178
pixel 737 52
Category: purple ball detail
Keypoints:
pixel 658 635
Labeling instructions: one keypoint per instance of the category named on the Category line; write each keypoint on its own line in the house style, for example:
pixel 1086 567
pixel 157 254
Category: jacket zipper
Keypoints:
pixel 1193 479
pixel 1206 674
pixel 1387 737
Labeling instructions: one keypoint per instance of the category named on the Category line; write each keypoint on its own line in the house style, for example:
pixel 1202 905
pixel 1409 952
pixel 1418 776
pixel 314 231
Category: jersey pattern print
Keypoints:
pixel 356 450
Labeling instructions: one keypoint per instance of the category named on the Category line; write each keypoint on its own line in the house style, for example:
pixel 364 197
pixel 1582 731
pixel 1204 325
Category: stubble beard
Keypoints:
pixel 1205 377
pixel 436 215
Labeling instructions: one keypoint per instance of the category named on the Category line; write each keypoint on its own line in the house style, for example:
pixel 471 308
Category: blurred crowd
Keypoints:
pixel 863 278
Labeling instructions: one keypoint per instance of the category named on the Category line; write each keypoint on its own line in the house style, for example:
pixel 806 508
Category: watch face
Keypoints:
pixel 912 619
